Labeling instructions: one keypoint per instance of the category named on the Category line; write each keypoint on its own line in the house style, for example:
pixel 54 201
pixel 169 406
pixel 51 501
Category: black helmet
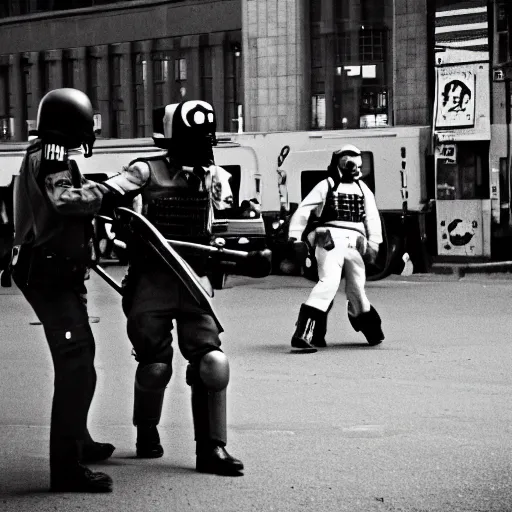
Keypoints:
pixel 187 131
pixel 66 117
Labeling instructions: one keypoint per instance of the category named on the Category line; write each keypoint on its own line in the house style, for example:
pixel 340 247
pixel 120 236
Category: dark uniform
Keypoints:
pixel 178 201
pixel 54 208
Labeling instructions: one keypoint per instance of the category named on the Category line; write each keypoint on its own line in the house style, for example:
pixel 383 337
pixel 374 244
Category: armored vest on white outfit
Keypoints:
pixel 343 207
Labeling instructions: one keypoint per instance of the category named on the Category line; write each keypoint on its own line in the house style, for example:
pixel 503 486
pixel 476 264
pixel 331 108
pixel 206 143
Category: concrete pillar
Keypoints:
pixel 78 63
pixel 144 48
pixel 34 92
pixel 52 61
pixel 217 43
pixel 15 99
pixel 125 101
pixel 167 48
pixel 328 44
pixel 190 44
pixel 100 56
pixel 276 57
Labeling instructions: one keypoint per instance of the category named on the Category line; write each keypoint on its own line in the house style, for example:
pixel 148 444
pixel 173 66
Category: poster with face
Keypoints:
pixel 455 98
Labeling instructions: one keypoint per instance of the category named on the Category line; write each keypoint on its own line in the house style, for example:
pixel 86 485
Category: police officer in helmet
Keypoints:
pixel 178 202
pixel 54 208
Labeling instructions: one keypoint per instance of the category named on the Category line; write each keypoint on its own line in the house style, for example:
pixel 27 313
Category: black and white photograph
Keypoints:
pixel 256 255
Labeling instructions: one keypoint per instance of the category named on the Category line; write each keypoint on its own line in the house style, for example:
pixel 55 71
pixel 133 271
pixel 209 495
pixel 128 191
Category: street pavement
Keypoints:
pixel 420 423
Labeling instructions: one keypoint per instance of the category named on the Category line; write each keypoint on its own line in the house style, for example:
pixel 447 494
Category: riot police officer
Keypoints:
pixel 54 208
pixel 340 220
pixel 177 200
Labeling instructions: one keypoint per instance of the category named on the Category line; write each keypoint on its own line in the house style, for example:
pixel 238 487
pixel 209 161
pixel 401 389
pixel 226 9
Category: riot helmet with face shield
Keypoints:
pixel 187 131
pixel 65 120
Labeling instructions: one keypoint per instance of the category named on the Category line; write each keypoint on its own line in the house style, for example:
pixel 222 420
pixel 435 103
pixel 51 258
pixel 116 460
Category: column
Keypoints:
pixel 34 92
pixel 78 62
pixel 166 47
pixel 144 48
pixel 217 43
pixel 16 99
pixel 191 46
pixel 124 97
pixel 328 44
pixel 53 62
pixel 100 54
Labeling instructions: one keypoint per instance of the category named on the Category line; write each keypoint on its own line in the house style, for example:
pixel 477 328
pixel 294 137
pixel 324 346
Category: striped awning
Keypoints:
pixel 462 25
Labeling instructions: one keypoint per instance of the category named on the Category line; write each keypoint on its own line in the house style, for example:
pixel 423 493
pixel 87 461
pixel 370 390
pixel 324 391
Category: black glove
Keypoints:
pixel 370 256
pixel 298 251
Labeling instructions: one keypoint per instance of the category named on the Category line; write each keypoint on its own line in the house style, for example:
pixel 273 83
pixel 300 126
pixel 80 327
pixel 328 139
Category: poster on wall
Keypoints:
pixel 455 98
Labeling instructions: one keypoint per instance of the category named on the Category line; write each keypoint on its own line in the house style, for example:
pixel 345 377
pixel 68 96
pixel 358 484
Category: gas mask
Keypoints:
pixel 349 167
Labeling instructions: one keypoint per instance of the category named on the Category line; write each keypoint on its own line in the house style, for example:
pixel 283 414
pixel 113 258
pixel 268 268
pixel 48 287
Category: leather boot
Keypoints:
pixel 213 458
pixel 95 452
pixel 148 442
pixel 79 479
pixel 320 330
pixel 305 328
pixel 369 324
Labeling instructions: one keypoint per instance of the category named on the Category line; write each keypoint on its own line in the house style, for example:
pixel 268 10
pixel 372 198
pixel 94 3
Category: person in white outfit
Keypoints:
pixel 346 232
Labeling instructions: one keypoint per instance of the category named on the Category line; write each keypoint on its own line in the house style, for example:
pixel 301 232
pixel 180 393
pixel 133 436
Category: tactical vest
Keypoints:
pixel 175 202
pixel 343 207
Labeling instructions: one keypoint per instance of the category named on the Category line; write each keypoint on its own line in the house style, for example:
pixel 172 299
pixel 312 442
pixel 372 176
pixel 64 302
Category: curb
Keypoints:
pixel 461 269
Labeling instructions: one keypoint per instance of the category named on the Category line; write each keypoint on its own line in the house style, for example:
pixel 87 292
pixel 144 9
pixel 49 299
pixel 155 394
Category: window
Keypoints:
pixel 160 77
pixel 180 70
pixel 357 67
pixel 371 45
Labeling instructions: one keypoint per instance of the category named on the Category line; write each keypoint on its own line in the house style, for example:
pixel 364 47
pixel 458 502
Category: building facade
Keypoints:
pixel 266 65
pixel 291 65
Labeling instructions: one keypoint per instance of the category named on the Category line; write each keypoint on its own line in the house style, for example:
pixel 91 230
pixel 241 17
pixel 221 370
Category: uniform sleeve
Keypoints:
pixel 313 202
pixel 372 223
pixel 130 180
pixel 67 200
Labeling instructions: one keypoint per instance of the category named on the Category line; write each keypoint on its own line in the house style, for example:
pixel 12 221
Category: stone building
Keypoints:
pixel 265 64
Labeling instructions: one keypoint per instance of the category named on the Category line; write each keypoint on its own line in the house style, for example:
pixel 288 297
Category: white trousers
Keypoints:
pixel 331 263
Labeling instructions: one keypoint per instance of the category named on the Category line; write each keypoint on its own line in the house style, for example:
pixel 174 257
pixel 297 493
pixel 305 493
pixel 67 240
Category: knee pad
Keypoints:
pixel 153 376
pixel 212 370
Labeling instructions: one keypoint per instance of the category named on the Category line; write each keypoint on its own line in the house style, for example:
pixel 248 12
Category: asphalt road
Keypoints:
pixel 421 423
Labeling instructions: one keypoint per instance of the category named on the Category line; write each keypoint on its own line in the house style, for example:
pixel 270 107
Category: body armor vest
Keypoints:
pixel 176 203
pixel 343 207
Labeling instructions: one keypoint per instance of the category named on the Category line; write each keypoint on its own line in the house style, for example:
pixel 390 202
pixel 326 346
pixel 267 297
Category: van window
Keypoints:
pixel 234 182
pixel 308 179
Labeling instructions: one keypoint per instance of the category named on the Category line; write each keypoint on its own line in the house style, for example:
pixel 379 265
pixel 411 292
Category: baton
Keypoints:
pixel 107 278
pixel 220 251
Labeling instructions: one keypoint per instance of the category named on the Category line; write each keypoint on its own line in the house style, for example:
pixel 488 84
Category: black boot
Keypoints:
pixel 79 479
pixel 213 458
pixel 307 324
pixel 321 329
pixel 95 452
pixel 369 324
pixel 148 442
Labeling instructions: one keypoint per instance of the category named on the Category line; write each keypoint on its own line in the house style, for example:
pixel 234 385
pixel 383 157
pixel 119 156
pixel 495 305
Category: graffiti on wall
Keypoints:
pixel 456 91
